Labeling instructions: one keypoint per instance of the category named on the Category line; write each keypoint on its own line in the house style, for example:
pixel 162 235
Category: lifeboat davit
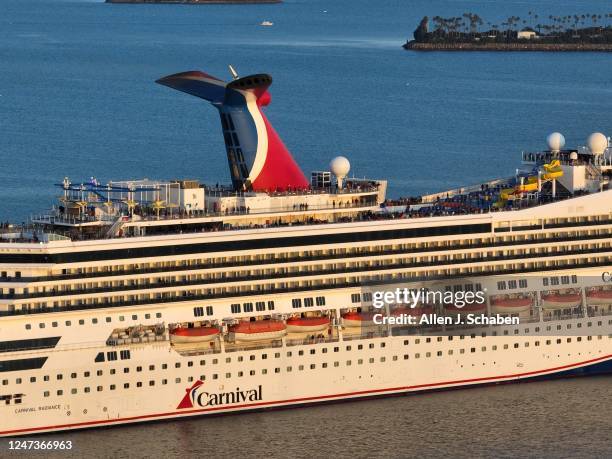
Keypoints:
pixel 358 319
pixel 473 308
pixel 307 324
pixel 511 305
pixel 193 335
pixel 597 297
pixel 258 330
pixel 561 300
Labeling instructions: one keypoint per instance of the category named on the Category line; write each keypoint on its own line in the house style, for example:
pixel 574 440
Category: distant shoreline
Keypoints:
pixel 552 47
pixel 197 2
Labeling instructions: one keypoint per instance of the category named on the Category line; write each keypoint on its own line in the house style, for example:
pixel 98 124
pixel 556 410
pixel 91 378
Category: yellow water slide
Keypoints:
pixel 552 171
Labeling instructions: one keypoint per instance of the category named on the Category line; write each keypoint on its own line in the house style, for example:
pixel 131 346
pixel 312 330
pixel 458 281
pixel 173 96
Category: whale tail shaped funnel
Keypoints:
pixel 258 159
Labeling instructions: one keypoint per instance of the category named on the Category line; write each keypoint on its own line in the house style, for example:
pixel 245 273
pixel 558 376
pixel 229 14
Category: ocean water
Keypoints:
pixel 77 96
pixel 77 99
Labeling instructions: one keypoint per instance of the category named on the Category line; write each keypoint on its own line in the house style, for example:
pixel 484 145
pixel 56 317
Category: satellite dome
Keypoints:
pixel 340 166
pixel 555 141
pixel 597 143
pixel 573 156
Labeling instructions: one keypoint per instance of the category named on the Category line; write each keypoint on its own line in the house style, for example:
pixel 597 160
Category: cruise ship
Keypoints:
pixel 146 300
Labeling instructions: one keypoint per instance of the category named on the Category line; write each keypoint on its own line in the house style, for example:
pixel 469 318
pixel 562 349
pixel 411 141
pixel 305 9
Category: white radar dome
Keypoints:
pixel 340 166
pixel 597 143
pixel 573 156
pixel 555 141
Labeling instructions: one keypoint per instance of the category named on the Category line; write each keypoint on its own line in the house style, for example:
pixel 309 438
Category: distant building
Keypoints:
pixel 527 34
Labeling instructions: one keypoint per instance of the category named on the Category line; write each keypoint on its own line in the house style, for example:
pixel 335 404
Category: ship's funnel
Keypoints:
pixel 257 157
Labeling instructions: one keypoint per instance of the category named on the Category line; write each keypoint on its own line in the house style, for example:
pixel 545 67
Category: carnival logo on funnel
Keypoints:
pixel 195 396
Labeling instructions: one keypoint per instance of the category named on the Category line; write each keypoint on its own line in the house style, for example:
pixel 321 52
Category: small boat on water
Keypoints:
pixel 307 324
pixel 258 330
pixel 193 335
pixel 511 305
pixel 266 23
pixel 599 297
pixel 561 300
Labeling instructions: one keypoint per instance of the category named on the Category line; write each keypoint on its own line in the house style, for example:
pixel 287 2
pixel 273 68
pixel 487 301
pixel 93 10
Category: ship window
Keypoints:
pixel 308 302
pixel 99 388
pixel 248 307
pixel 112 355
pixel 28 326
pixel 574 279
pixel 320 301
pixel 545 281
pixel 501 285
pixel 198 311
pixel 41 325
pixel 523 283
pixel 235 308
pixel 260 306
pixel 81 322
pixel 270 305
pixel 147 316
pixel 93 321
pixel 158 314
pixel 296 303
pixel 355 298
pixel 46 393
pixel 99 358
pixel 565 279
pixel 512 284
pixel 60 392
pixel 209 310
pixel 125 354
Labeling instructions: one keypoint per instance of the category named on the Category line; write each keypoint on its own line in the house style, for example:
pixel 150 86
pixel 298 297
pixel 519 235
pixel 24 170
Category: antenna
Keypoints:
pixel 233 72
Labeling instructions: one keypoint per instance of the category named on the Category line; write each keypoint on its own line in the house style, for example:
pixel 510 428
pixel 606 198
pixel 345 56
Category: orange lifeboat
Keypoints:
pixel 598 297
pixel 193 335
pixel 307 324
pixel 358 319
pixel 258 330
pixel 561 300
pixel 511 305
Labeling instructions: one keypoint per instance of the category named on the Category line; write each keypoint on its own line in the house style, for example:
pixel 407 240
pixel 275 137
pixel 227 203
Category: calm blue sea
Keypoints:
pixel 77 99
pixel 77 96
